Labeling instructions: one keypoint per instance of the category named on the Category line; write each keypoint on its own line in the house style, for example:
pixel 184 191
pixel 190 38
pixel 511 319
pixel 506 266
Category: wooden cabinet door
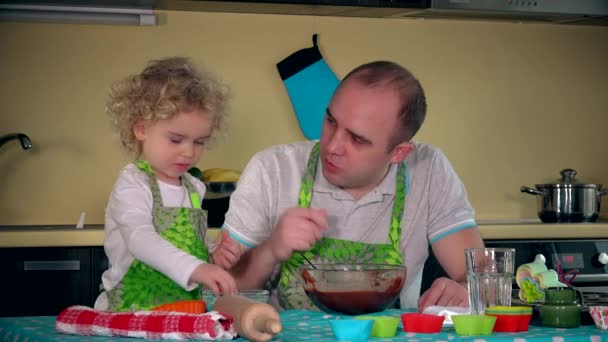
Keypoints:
pixel 43 281
pixel 99 263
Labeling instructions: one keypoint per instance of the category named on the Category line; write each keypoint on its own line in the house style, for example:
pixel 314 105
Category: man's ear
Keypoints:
pixel 139 130
pixel 401 151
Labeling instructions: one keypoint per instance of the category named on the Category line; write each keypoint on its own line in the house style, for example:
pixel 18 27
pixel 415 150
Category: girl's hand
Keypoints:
pixel 214 278
pixel 228 252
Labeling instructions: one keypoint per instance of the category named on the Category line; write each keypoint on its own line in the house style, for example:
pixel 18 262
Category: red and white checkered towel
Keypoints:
pixel 82 320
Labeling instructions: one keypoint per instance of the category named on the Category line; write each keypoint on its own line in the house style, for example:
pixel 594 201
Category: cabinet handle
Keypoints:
pixel 56 265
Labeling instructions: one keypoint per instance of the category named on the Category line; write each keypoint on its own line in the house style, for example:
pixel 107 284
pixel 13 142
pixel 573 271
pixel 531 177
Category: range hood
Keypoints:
pixel 113 12
pixel 573 12
pixel 584 12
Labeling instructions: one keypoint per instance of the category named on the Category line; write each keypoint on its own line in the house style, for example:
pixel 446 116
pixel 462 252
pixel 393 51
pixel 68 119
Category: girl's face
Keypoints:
pixel 175 145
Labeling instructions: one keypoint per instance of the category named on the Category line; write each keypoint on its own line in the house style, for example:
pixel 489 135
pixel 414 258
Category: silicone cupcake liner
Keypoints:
pixel 467 325
pixel 189 306
pixel 511 323
pixel 600 316
pixel 354 330
pixel 384 326
pixel 422 323
pixel 510 318
pixel 510 310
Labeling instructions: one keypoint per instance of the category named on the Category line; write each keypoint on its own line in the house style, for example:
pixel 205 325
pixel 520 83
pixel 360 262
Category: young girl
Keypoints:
pixel 154 224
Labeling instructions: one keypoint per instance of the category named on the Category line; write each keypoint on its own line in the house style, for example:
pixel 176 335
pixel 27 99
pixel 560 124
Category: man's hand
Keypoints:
pixel 228 252
pixel 298 230
pixel 444 292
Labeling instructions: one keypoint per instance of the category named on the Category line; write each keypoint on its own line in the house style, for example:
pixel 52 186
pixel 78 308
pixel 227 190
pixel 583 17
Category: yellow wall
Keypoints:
pixel 510 104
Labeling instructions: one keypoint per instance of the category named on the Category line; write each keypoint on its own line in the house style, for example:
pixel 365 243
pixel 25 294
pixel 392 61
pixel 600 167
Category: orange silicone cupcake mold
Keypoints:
pixel 188 306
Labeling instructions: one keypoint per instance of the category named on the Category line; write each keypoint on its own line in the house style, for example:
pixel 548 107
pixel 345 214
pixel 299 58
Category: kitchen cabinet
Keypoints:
pixel 44 280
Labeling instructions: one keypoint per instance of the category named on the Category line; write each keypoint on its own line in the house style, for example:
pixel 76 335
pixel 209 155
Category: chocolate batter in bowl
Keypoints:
pixel 353 289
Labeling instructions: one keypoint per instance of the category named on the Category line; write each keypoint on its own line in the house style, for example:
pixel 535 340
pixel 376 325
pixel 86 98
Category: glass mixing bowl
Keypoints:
pixel 353 289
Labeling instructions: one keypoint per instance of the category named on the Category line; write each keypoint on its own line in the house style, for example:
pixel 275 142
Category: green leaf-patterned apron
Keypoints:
pixel 143 287
pixel 290 292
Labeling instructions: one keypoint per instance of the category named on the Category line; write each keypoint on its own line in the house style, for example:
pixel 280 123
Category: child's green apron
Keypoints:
pixel 143 287
pixel 335 251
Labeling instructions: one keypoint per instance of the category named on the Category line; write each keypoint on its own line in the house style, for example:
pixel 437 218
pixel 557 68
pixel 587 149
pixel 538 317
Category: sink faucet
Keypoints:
pixel 25 141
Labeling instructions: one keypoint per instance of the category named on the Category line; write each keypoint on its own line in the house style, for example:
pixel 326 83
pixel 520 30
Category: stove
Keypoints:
pixel 595 298
pixel 589 258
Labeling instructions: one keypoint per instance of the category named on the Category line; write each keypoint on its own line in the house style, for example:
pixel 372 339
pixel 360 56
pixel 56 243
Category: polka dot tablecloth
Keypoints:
pixel 314 326
pixel 309 326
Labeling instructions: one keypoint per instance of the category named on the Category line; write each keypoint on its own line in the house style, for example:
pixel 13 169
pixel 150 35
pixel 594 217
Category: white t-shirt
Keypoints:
pixel 130 233
pixel 436 204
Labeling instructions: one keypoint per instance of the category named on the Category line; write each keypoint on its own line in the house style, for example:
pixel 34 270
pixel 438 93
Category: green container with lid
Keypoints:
pixel 562 308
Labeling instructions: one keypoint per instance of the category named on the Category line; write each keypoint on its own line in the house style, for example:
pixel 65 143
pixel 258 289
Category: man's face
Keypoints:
pixel 356 132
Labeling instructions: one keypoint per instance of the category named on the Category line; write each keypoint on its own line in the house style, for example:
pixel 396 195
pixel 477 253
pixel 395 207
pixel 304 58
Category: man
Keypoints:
pixel 365 190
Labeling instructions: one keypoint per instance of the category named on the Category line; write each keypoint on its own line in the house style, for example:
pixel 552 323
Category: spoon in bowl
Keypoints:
pixel 307 260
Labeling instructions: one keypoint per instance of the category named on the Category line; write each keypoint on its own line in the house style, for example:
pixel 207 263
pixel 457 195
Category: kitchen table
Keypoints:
pixel 307 326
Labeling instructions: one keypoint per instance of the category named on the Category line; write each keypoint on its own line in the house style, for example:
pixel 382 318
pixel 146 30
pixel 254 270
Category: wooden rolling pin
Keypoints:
pixel 253 320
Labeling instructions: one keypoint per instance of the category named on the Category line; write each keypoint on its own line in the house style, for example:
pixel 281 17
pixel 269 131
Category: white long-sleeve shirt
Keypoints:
pixel 130 234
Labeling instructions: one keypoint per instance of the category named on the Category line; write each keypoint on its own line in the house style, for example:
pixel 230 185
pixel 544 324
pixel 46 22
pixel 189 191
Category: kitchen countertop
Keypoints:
pixel 51 236
pixel 538 230
pixel 93 235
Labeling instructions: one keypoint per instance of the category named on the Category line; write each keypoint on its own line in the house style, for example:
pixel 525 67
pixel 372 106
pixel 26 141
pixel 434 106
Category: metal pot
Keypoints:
pixel 567 200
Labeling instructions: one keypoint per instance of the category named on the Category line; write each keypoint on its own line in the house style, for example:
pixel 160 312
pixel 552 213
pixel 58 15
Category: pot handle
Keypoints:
pixel 530 190
pixel 603 192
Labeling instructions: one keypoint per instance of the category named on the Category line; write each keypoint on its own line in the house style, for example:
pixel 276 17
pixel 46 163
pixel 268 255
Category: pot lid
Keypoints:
pixel 568 181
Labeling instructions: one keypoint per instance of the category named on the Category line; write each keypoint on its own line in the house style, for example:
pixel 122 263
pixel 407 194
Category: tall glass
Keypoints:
pixel 489 277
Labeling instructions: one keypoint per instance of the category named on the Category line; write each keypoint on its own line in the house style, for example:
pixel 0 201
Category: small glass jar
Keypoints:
pixel 562 308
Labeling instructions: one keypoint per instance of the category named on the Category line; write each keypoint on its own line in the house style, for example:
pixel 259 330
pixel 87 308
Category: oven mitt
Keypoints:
pixel 310 83
pixel 82 320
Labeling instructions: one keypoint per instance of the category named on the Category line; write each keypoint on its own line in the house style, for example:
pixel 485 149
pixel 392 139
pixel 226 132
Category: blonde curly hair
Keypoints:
pixel 164 88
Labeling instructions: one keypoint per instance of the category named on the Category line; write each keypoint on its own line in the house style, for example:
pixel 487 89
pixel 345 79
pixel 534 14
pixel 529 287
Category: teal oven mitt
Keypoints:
pixel 310 83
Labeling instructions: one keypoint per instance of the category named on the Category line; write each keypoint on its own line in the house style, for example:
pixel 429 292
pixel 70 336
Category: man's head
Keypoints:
pixel 373 114
pixel 412 111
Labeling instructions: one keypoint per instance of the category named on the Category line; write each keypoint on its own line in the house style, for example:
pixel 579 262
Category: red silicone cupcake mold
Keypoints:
pixel 422 323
